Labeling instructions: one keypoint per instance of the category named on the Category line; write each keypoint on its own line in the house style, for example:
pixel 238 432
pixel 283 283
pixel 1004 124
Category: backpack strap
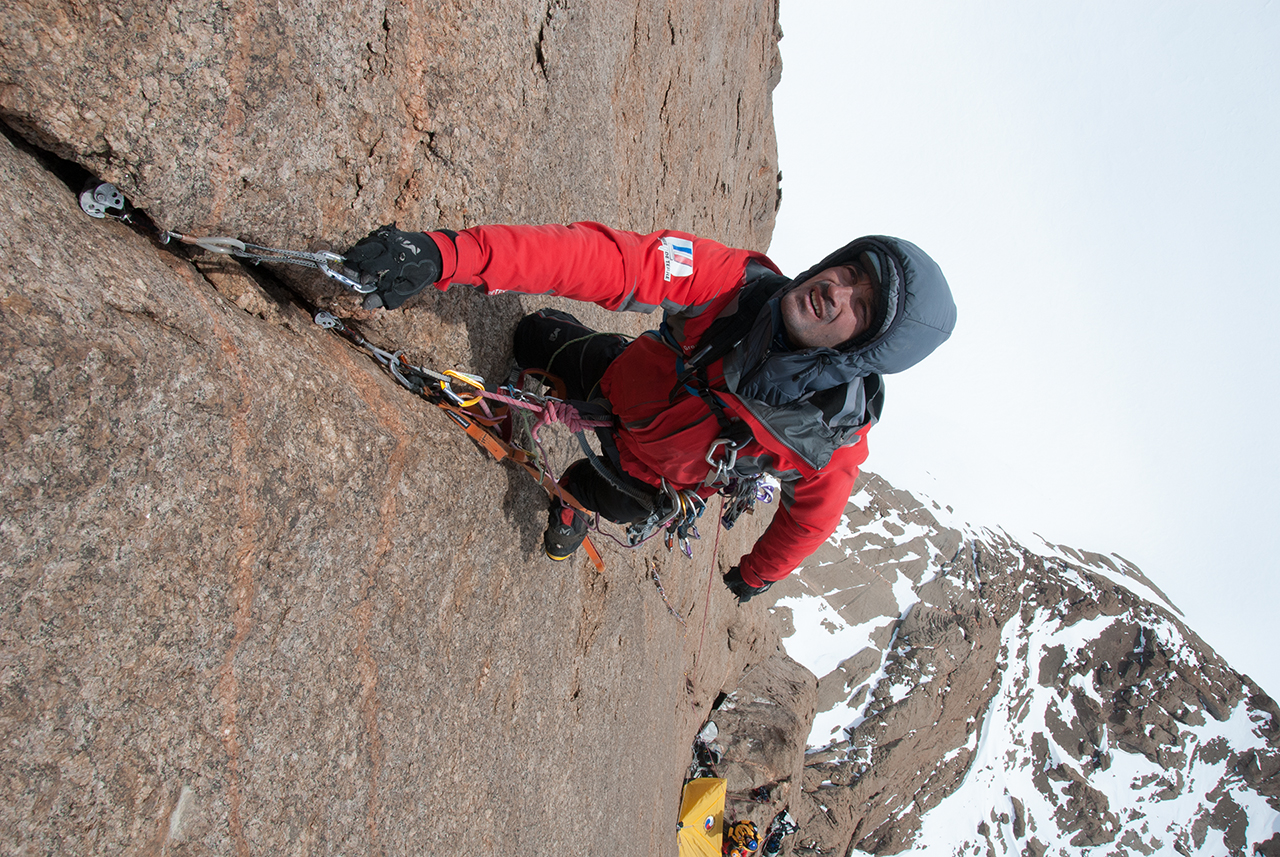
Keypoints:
pixel 724 334
pixel 721 337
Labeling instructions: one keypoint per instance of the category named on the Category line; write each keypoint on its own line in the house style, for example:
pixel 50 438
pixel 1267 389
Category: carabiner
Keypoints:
pixel 470 380
pixel 731 454
pixel 322 264
pixel 719 474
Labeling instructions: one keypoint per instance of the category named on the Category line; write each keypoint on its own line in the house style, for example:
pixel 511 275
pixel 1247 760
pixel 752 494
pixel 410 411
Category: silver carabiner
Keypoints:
pixel 322 263
pixel 731 454
pixel 719 474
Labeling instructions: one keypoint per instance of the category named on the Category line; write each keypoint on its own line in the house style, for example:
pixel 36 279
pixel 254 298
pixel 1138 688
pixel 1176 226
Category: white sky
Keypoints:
pixel 1101 185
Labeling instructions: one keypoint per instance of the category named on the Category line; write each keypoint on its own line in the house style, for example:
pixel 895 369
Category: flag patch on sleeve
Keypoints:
pixel 677 257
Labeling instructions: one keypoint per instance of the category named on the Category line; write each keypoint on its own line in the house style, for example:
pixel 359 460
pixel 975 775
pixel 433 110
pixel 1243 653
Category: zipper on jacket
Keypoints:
pixel 755 370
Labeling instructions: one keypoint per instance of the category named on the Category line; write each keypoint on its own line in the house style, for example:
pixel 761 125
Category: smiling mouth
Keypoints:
pixel 815 302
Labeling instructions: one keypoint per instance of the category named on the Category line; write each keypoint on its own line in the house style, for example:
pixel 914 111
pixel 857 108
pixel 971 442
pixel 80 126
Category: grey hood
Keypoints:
pixel 818 399
pixel 921 312
pixel 920 316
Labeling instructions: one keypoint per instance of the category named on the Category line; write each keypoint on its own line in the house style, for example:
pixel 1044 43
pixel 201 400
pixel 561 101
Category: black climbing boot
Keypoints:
pixel 566 528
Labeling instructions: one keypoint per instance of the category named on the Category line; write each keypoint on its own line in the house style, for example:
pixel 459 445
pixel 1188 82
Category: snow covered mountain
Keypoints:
pixel 980 696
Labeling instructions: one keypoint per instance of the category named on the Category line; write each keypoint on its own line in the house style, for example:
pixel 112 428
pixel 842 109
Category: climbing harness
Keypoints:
pixel 465 398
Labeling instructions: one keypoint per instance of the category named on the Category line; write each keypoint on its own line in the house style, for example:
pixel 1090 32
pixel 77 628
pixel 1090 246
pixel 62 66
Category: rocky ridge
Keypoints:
pixel 976 694
pixel 311 121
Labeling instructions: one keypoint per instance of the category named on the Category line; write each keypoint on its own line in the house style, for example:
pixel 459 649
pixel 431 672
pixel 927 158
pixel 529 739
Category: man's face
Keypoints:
pixel 829 308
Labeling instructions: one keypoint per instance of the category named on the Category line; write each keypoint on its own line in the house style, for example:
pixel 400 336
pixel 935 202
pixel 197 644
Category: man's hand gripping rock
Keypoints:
pixel 400 264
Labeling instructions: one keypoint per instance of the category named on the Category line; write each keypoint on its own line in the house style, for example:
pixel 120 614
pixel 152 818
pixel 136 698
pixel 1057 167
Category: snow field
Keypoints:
pixel 1154 808
pixel 1005 767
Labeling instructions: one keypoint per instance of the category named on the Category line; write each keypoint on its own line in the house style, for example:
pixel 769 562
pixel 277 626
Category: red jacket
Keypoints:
pixel 658 438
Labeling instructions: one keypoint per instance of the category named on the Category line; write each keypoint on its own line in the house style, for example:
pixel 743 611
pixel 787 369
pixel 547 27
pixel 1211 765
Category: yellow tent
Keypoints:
pixel 701 829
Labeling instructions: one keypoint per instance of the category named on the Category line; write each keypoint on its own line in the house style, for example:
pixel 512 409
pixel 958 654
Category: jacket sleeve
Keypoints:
pixel 590 262
pixel 807 517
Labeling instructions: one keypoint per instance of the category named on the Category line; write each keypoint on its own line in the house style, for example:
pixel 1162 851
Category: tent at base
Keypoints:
pixel 700 832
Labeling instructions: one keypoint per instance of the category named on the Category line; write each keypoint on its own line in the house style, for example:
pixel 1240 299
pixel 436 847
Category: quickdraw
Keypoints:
pixel 742 496
pixel 254 253
pixel 103 200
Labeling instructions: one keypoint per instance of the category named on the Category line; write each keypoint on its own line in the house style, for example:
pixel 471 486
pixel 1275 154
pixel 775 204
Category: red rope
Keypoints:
pixel 715 551
pixel 563 412
pixel 550 412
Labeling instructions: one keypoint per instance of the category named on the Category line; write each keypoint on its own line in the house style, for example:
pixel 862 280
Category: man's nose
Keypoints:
pixel 842 293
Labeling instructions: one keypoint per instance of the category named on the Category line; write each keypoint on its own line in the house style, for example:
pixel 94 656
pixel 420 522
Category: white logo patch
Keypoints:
pixel 677 257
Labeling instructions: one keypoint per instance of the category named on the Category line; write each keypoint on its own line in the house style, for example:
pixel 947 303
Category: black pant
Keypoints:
pixel 557 343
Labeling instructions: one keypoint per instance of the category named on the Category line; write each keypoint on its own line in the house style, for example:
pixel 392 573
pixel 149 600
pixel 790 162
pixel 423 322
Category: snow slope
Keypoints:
pixel 1097 723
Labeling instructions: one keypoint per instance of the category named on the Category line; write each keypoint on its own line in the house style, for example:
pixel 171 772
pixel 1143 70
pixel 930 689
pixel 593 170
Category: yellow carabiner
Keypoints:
pixel 469 381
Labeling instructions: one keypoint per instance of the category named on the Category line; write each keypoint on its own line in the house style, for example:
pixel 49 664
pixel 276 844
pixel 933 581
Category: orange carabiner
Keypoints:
pixel 470 381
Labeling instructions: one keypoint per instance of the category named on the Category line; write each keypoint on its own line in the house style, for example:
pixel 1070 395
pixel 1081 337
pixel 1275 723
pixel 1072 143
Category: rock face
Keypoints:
pixel 975 694
pixel 256 598
pixel 761 729
pixel 314 121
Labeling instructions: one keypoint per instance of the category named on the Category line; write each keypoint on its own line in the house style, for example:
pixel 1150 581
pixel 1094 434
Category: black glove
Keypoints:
pixel 739 587
pixel 400 264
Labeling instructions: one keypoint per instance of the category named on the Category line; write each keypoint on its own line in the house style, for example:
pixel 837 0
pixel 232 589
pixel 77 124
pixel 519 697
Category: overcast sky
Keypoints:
pixel 1100 184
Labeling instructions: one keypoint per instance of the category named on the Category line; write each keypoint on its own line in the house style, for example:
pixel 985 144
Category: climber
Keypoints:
pixel 749 372
pixel 740 840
